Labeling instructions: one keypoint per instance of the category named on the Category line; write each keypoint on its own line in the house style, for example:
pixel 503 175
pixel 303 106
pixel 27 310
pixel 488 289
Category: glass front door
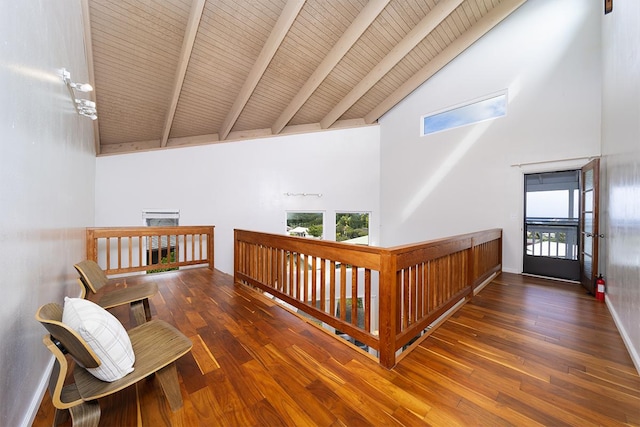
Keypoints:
pixel 551 224
pixel 589 230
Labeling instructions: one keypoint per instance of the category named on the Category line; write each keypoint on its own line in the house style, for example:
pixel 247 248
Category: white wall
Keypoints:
pixel 47 169
pixel 621 175
pixel 547 54
pixel 242 184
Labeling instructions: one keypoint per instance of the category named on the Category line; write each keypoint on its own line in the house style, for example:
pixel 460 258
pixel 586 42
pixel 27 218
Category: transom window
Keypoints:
pixel 487 108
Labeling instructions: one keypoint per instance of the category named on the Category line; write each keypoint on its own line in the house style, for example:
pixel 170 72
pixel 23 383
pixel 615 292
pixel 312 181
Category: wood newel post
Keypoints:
pixel 210 250
pixel 91 245
pixel 236 255
pixel 471 268
pixel 500 249
pixel 388 314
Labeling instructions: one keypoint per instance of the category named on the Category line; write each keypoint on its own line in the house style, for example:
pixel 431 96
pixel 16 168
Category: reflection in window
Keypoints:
pixel 475 112
pixel 305 224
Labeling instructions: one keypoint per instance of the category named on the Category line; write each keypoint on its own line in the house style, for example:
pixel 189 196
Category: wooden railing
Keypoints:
pixel 398 291
pixel 121 250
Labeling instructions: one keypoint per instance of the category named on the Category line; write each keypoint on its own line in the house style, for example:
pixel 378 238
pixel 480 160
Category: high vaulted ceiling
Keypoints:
pixel 181 72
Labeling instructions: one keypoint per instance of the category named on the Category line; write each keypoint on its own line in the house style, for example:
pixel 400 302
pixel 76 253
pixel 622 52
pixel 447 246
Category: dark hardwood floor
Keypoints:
pixel 524 351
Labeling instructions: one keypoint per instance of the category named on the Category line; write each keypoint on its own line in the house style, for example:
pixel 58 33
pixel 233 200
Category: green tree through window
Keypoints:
pixel 352 227
pixel 305 224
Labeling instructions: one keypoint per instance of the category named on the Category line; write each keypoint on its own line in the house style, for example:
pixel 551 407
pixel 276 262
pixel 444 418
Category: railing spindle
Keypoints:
pixel 108 254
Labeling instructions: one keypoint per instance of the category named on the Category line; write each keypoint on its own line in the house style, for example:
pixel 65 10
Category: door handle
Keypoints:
pixel 594 235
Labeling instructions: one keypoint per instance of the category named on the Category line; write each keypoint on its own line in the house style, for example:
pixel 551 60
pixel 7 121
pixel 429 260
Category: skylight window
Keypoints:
pixel 487 108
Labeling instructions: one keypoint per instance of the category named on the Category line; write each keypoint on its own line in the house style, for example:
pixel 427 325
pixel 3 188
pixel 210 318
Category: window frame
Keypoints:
pixel 160 244
pixel 503 93
pixel 347 212
pixel 321 212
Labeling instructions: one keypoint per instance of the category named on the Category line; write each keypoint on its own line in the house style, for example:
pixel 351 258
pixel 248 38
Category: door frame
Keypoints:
pixel 556 267
pixel 588 274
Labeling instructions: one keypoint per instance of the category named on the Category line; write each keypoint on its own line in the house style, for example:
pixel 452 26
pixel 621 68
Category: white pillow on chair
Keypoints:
pixel 104 334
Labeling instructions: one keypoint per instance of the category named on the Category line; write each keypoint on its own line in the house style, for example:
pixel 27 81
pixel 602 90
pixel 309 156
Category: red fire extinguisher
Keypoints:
pixel 600 288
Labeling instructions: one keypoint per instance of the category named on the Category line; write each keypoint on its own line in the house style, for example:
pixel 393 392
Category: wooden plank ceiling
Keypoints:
pixel 172 73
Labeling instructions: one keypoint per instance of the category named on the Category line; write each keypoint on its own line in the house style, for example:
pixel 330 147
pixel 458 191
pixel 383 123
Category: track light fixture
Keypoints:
pixel 84 107
pixel 82 87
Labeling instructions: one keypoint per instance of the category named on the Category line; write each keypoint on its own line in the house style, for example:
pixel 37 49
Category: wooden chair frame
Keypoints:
pixel 137 296
pixel 156 345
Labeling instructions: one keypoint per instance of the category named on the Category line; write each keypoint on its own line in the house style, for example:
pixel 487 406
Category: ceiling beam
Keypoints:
pixel 191 141
pixel 364 19
pixel 411 40
pixel 185 54
pixel 88 46
pixel 280 30
pixel 130 147
pixel 480 28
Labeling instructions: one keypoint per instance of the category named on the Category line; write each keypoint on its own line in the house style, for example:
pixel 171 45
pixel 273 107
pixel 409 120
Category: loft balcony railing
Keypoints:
pixel 383 298
pixel 122 250
pixel 557 238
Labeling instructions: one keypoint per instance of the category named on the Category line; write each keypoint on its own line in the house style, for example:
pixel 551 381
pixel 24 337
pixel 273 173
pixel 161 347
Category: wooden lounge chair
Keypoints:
pixel 156 345
pixel 94 278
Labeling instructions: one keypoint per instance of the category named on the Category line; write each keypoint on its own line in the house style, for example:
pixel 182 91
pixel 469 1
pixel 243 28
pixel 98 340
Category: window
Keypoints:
pixel 551 214
pixel 352 227
pixel 162 251
pixel 487 108
pixel 305 224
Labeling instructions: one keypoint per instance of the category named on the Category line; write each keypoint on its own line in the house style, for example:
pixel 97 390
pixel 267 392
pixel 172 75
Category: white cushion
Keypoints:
pixel 104 334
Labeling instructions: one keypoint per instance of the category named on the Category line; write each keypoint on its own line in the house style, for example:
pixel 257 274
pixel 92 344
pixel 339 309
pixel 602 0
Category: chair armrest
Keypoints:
pixel 120 296
pixel 156 344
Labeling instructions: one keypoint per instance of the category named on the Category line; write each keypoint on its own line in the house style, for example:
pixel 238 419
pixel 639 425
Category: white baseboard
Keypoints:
pixel 38 395
pixel 484 283
pixel 635 357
